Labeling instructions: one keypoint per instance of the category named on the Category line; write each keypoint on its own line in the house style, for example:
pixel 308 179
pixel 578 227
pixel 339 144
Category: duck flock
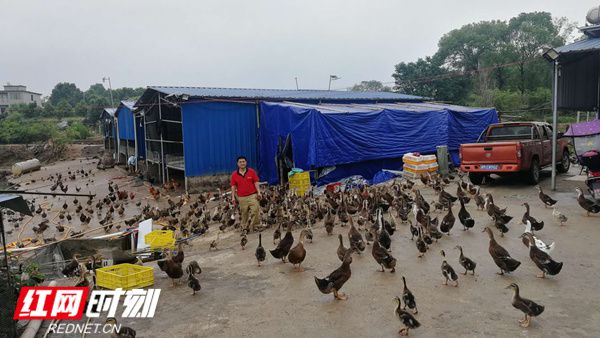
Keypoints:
pixel 366 219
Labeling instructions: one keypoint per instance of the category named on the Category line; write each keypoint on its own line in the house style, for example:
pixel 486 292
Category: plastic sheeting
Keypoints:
pixel 215 134
pixel 362 139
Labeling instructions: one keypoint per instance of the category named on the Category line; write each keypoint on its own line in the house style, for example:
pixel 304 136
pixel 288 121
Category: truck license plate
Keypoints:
pixel 488 167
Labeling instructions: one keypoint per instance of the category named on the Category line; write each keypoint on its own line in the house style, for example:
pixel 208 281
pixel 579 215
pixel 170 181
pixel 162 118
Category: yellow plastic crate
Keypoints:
pixel 125 276
pixel 160 239
pixel 300 182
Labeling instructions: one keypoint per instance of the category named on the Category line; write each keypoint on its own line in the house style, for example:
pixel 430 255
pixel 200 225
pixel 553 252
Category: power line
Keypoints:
pixel 454 74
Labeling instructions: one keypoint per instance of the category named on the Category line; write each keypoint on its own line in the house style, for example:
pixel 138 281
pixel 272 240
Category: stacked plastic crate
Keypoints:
pixel 416 164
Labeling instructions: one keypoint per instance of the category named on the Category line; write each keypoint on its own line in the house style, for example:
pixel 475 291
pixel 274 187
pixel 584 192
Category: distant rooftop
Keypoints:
pixel 17 88
pixel 277 94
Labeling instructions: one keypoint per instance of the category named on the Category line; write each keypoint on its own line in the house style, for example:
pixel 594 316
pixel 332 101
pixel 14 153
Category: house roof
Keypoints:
pixel 275 94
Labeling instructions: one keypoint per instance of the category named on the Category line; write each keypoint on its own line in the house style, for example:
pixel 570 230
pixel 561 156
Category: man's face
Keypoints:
pixel 241 163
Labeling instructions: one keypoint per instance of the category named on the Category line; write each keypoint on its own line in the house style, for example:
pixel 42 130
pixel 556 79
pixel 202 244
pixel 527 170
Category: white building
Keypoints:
pixel 15 94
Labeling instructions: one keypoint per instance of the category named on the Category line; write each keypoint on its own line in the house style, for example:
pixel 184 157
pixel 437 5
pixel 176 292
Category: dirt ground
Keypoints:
pixel 240 299
pixel 46 153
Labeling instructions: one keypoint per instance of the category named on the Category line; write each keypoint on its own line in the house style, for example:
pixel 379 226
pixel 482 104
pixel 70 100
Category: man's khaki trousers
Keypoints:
pixel 249 207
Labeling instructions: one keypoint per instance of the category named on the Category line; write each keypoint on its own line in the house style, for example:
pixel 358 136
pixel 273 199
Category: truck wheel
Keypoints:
pixel 476 178
pixel 565 163
pixel 534 172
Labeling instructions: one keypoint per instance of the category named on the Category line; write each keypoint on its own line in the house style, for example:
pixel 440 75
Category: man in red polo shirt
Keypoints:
pixel 244 188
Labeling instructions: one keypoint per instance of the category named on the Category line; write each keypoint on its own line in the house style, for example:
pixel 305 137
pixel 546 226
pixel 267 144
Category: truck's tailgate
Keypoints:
pixel 490 153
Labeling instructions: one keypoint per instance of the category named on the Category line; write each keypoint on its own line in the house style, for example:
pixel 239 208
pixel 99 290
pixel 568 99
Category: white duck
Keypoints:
pixel 559 216
pixel 538 242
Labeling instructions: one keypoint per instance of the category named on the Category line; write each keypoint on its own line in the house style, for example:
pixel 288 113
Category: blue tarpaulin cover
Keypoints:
pixel 362 139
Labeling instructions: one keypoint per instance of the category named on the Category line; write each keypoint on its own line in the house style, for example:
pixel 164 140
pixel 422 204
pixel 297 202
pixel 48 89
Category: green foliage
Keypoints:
pixel 466 48
pixel 65 91
pixel 67 100
pixel 77 131
pixel 27 110
pixel 14 128
pixel 490 63
pixel 31 276
pixel 429 79
pixel 370 86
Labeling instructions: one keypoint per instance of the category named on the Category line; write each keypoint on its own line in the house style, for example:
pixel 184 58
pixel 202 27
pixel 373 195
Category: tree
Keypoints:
pixel 28 111
pixel 65 91
pixel 529 33
pixel 370 86
pixel 96 89
pixel 465 49
pixel 426 78
pixel 63 108
pixel 80 109
pixel 490 63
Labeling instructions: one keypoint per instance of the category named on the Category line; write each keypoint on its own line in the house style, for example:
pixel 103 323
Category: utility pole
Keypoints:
pixel 332 78
pixel 296 78
pixel 554 124
pixel 104 79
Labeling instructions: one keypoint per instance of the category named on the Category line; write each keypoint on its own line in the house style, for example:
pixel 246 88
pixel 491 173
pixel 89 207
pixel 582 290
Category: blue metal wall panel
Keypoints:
pixel 215 134
pixel 126 124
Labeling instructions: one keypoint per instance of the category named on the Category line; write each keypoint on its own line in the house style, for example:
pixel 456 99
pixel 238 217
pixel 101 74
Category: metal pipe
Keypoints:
pixel 162 151
pixel 185 180
pixel 24 192
pixel 135 150
pixel 8 277
pixel 145 142
pixel 554 125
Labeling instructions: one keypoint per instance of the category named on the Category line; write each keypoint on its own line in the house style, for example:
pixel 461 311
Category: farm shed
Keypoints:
pixel 129 141
pixel 109 130
pixel 192 132
pixel 362 139
pixel 576 85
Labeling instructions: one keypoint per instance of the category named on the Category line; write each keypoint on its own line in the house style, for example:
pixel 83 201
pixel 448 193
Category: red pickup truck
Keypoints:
pixel 513 147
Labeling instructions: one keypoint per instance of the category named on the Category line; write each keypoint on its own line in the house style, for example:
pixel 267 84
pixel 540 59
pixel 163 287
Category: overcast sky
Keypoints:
pixel 233 43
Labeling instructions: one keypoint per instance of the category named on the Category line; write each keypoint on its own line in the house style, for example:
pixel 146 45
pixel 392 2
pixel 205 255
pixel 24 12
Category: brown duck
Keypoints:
pixel 383 257
pixel 448 220
pixel 528 307
pixel 342 250
pixel 587 204
pixel 297 254
pixel 541 259
pixel 547 200
pixel 284 246
pixel 500 256
pixel 535 225
pixel 356 240
pixel 336 280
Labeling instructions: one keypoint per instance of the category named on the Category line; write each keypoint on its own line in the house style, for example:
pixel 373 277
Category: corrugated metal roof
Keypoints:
pixel 110 111
pixel 128 104
pixel 283 94
pixel 580 46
